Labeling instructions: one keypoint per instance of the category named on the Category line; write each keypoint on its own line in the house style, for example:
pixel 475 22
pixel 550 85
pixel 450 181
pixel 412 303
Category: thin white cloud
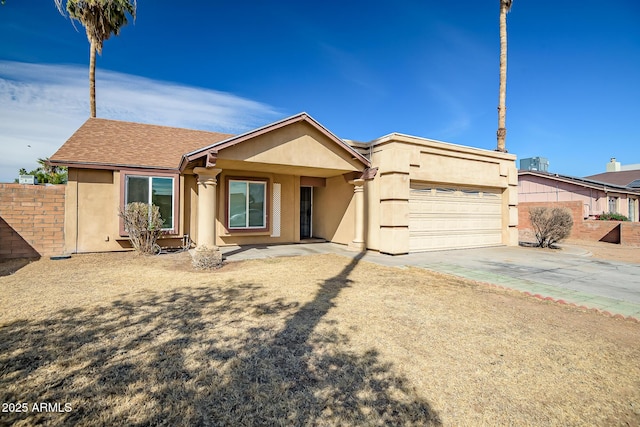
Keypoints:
pixel 352 69
pixel 41 105
pixel 459 119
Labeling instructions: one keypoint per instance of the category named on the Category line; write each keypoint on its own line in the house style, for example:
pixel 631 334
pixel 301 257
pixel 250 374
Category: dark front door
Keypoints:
pixel 305 212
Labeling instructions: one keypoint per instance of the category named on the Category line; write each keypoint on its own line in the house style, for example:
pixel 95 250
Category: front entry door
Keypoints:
pixel 306 196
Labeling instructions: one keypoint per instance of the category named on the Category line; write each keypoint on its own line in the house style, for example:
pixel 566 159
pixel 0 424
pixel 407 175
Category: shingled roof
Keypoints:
pixel 624 178
pixel 584 182
pixel 112 144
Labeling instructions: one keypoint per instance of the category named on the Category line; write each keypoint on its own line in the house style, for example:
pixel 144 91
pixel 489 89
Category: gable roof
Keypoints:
pixel 624 178
pixel 301 117
pixel 109 144
pixel 584 182
pixel 112 144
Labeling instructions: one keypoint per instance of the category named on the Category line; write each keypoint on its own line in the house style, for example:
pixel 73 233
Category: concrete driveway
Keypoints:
pixel 570 275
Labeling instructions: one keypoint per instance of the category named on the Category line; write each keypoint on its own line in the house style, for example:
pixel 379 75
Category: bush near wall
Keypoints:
pixel 31 220
pixel 524 222
pixel 625 233
pixel 612 216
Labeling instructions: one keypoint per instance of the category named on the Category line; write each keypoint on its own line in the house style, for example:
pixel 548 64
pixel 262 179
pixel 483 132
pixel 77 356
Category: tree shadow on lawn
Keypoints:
pixel 228 355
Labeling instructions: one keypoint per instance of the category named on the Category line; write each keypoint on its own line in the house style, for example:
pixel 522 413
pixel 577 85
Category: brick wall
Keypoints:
pixel 623 232
pixel 31 220
pixel 630 233
pixel 525 231
pixel 594 230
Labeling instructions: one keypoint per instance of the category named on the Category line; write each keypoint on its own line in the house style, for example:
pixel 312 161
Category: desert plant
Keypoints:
pixel 550 224
pixel 612 216
pixel 144 225
pixel 205 258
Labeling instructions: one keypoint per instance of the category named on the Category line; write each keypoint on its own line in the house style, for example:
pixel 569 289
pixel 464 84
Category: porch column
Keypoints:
pixel 207 184
pixel 358 243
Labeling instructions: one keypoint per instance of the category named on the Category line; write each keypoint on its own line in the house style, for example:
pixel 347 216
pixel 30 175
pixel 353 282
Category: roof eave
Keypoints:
pixel 109 166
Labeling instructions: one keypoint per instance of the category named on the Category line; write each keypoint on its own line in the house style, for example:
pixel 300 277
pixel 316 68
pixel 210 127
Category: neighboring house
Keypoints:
pixel 629 178
pixel 284 183
pixel 617 174
pixel 597 197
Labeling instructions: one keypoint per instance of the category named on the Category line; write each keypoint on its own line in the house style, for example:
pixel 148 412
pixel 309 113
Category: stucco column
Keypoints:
pixel 207 183
pixel 358 198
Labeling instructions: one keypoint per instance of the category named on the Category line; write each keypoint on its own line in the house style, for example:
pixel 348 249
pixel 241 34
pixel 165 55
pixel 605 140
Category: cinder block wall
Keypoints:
pixel 31 220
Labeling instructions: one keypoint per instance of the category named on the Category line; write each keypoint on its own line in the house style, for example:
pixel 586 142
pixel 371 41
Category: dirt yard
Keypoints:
pixel 118 339
pixel 610 251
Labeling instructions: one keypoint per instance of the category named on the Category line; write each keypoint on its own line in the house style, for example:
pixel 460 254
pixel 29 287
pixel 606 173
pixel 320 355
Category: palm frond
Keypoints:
pixel 101 18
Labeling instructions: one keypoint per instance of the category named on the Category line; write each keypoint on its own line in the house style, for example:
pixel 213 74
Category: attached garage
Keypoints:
pixel 430 195
pixel 443 217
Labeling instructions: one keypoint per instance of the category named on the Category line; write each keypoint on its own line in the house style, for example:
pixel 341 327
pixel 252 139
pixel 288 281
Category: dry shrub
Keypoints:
pixel 144 225
pixel 205 258
pixel 550 225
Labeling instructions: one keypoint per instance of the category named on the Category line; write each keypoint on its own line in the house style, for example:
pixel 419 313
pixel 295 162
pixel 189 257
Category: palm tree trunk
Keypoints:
pixel 502 108
pixel 92 79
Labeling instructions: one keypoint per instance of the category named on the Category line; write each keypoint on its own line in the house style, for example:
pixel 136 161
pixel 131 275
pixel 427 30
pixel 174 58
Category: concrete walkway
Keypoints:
pixel 568 276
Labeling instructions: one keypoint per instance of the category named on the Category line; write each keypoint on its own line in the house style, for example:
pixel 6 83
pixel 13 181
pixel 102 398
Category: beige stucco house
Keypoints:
pixel 286 182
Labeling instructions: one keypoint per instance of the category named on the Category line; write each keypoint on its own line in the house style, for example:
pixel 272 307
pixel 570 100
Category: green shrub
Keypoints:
pixel 144 225
pixel 612 216
pixel 550 225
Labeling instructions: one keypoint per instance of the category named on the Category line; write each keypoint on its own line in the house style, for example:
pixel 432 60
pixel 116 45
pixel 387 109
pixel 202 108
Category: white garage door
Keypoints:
pixel 448 218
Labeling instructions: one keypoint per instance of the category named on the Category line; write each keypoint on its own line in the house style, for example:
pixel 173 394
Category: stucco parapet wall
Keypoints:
pixel 394 213
pixel 396 159
pixel 513 196
pixel 422 143
pixel 450 164
pixel 394 240
pixel 513 216
pixel 394 186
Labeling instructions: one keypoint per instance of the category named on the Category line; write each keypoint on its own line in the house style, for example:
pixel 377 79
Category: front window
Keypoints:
pixel 154 191
pixel 247 204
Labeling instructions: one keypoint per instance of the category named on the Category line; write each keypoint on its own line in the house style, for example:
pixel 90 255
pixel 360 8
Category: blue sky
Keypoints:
pixel 363 69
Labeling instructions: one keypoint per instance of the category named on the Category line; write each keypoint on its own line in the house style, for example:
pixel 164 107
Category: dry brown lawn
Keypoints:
pixel 317 340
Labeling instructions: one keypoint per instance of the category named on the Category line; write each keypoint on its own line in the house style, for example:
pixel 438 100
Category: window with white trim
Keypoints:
pixel 153 190
pixel 247 204
pixel 613 205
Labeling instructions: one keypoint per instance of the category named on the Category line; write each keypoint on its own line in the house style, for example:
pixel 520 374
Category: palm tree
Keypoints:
pixel 100 18
pixel 505 7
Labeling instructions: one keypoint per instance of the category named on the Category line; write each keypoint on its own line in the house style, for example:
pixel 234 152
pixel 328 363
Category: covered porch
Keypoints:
pixel 286 183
